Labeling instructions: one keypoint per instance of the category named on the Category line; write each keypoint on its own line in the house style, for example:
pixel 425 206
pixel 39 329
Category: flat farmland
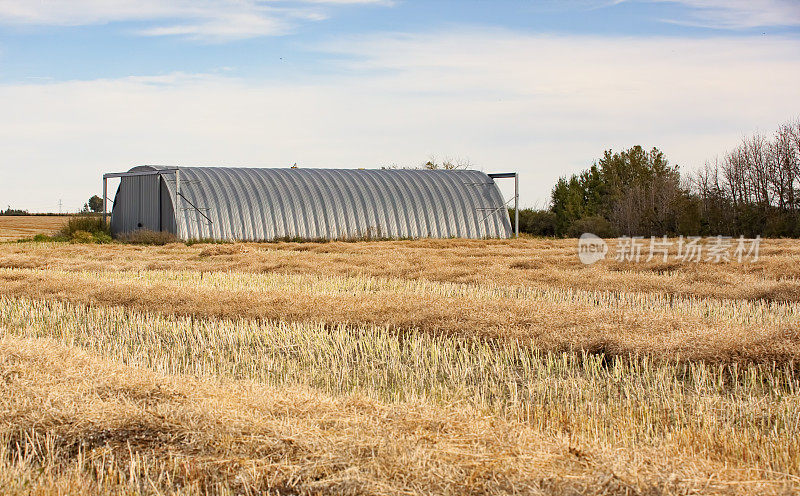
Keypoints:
pixel 400 367
pixel 13 227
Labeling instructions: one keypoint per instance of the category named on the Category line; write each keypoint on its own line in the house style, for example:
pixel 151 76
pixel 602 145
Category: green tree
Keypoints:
pixel 536 222
pixel 577 197
pixel 631 192
pixel 95 204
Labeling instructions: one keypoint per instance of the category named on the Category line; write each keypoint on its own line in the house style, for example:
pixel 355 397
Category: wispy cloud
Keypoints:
pixel 201 19
pixel 736 14
pixel 587 71
pixel 542 105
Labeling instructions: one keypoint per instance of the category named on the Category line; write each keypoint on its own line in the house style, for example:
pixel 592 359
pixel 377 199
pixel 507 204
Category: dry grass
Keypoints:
pixel 75 424
pixel 13 227
pixel 72 421
pixel 540 263
pixel 554 319
pixel 406 367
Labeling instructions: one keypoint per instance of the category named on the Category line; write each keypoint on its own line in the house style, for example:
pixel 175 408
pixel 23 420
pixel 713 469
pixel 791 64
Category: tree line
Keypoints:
pixel 752 190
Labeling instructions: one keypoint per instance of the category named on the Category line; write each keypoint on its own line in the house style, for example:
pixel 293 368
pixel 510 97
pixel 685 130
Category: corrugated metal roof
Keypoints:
pixel 263 204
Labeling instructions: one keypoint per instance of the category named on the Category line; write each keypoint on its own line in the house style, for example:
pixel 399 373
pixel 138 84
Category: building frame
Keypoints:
pixel 180 197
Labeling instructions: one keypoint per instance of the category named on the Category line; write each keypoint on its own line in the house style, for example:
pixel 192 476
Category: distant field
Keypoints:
pixel 407 367
pixel 25 226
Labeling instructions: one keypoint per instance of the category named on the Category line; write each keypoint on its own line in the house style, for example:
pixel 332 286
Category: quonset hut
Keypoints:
pixel 266 204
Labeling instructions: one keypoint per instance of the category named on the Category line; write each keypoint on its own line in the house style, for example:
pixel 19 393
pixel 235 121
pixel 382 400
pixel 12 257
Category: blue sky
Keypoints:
pixel 537 87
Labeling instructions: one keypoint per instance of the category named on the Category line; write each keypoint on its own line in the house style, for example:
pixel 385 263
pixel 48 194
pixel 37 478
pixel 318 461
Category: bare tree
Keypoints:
pixel 447 164
pixel 759 180
pixel 783 169
pixel 755 152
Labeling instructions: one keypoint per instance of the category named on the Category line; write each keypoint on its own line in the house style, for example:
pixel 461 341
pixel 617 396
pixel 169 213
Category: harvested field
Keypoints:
pixel 14 227
pixel 408 367
pixel 541 263
pixel 552 319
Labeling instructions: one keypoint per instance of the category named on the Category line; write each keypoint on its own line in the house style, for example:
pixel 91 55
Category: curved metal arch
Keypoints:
pixel 336 203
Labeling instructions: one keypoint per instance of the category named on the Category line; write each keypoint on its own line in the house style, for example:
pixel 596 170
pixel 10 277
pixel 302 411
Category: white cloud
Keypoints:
pixel 542 105
pixel 206 19
pixel 228 27
pixel 738 14
pixel 719 14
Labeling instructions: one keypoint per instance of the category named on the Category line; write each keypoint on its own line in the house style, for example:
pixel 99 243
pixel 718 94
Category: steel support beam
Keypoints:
pixel 110 175
pixel 508 175
pixel 105 195
pixel 516 205
pixel 178 212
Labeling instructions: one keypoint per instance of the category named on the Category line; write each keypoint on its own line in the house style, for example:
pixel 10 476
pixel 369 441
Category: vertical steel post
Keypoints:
pixel 177 204
pixel 105 190
pixel 516 204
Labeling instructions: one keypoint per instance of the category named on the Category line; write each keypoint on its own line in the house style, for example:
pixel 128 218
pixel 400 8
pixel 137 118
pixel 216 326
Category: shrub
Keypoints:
pixel 82 237
pixel 102 238
pixel 46 238
pixel 87 223
pixel 81 229
pixel 148 237
pixel 536 222
pixel 594 224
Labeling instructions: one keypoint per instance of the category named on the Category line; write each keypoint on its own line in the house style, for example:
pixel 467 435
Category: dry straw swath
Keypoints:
pixel 739 415
pixel 415 367
pixel 548 318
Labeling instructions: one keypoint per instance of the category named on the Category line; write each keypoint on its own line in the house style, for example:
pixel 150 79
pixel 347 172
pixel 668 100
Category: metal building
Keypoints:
pixel 266 204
